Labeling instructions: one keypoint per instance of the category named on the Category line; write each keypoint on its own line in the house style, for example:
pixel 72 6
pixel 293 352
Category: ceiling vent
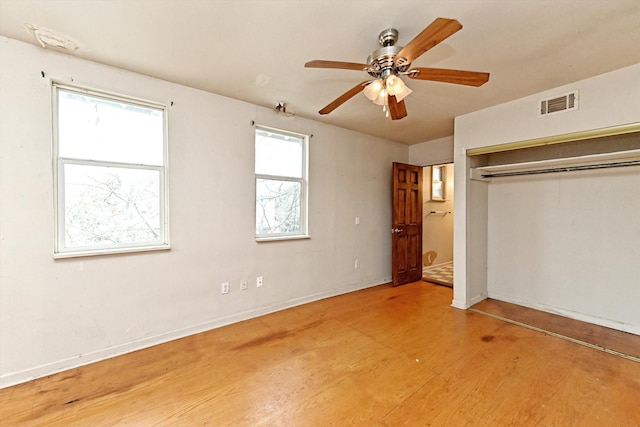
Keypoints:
pixel 566 102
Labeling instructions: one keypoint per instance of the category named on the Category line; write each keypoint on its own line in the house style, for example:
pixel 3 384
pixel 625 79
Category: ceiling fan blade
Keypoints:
pixel 459 77
pixel 397 109
pixel 337 64
pixel 436 32
pixel 344 98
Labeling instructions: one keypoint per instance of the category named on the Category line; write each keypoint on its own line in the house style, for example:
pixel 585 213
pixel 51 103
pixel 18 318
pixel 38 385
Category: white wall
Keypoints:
pixel 434 152
pixel 56 314
pixel 487 215
pixel 575 246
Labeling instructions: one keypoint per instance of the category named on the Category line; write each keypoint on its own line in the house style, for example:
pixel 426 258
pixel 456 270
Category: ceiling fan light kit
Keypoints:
pixel 372 90
pixel 381 98
pixel 395 86
pixel 389 62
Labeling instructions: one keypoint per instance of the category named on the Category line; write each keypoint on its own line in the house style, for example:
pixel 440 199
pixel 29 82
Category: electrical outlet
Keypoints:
pixel 244 285
pixel 357 220
pixel 224 288
pixel 357 264
pixel 259 282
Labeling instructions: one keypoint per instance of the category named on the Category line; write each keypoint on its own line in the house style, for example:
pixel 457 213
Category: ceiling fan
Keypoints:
pixel 389 62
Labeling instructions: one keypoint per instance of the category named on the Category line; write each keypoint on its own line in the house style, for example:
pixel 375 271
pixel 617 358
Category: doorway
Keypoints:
pixel 437 224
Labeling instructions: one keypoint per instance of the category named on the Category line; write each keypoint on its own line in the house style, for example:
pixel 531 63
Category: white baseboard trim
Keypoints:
pixel 14 378
pixel 463 305
pixel 459 304
pixel 478 298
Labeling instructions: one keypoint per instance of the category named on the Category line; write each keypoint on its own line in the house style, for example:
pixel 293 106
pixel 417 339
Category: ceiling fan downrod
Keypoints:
pixel 388 37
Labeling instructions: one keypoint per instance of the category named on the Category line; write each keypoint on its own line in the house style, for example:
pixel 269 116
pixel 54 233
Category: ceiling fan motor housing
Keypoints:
pixel 383 60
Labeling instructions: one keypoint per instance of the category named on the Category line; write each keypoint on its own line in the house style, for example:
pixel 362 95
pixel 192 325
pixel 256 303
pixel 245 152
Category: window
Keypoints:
pixel 110 158
pixel 281 184
pixel 438 174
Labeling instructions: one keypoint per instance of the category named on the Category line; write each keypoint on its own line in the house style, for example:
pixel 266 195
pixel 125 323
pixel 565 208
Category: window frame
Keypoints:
pixel 304 187
pixel 438 183
pixel 59 249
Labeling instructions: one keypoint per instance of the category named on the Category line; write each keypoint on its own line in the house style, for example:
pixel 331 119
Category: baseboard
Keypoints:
pixel 463 305
pixel 14 378
pixel 478 298
pixel 459 304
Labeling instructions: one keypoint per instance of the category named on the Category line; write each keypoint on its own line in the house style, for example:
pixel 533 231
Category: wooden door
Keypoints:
pixel 406 228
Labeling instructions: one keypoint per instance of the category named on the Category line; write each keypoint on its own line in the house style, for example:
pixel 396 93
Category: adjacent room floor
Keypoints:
pixel 384 356
pixel 440 274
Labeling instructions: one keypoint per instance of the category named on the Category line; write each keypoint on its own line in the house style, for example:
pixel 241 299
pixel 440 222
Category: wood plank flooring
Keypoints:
pixel 606 338
pixel 383 356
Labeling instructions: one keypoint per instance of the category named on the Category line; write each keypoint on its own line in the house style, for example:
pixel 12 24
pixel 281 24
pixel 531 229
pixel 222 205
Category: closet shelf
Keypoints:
pixel 591 161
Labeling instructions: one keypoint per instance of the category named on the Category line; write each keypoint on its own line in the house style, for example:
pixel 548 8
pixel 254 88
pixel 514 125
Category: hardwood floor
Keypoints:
pixel 624 343
pixel 378 357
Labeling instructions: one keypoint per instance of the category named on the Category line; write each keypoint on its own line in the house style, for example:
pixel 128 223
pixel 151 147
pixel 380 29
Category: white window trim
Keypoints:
pixel 59 250
pixel 304 190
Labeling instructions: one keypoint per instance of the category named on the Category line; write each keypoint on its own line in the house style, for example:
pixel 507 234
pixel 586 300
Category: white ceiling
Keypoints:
pixel 255 50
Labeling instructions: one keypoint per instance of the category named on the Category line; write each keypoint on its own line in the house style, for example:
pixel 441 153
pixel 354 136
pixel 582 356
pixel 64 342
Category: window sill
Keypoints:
pixel 113 251
pixel 280 238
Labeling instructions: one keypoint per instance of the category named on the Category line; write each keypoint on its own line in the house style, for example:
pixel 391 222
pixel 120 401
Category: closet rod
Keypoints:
pixel 563 169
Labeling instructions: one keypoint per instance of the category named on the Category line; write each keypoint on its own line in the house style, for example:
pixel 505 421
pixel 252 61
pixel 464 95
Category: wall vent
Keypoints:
pixel 566 102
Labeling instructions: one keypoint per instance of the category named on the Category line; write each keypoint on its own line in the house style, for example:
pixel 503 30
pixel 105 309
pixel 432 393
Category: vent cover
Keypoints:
pixel 566 102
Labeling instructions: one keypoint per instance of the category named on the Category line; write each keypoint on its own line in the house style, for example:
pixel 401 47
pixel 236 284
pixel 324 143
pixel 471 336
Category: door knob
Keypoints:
pixel 395 230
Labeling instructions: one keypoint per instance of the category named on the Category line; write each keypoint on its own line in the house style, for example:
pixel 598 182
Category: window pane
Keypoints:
pixel 279 154
pixel 277 206
pixel 96 128
pixel 437 173
pixel 110 206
